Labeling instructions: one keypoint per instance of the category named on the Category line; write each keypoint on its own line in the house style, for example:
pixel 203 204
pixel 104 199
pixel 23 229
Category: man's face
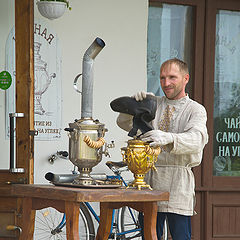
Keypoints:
pixel 173 81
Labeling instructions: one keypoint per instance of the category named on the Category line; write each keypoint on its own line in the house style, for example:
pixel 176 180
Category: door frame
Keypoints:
pixel 24 58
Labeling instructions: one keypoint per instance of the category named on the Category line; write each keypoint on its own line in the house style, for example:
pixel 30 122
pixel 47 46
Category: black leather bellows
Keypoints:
pixel 143 112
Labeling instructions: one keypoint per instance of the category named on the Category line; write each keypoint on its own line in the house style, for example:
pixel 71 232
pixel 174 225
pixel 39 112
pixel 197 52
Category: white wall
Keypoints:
pixel 119 69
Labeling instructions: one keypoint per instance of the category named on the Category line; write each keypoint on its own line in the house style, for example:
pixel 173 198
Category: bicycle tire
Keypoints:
pixel 89 222
pixel 126 223
pixel 47 220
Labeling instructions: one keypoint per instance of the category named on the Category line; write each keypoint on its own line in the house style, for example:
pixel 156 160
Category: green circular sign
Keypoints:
pixel 5 80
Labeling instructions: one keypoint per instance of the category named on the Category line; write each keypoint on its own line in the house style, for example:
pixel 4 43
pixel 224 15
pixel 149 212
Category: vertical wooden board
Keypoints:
pixel 25 218
pixel 24 86
pixel 72 219
pixel 225 221
pixel 196 219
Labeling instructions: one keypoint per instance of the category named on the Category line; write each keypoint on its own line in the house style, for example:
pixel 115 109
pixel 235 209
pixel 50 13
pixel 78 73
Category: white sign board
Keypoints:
pixel 47 81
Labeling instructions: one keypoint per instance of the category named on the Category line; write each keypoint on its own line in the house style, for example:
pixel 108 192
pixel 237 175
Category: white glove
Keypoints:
pixel 139 96
pixel 157 138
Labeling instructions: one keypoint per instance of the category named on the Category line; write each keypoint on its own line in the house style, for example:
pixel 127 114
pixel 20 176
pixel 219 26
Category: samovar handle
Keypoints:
pixel 152 151
pixel 75 83
pixel 94 144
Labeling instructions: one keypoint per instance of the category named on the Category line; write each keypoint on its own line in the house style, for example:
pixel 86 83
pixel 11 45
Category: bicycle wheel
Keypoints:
pixel 50 224
pixel 128 223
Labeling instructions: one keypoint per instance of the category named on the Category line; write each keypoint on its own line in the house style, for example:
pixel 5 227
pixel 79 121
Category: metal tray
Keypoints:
pixel 88 186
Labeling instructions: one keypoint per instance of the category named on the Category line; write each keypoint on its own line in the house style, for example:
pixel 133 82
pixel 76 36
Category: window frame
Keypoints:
pixel 212 7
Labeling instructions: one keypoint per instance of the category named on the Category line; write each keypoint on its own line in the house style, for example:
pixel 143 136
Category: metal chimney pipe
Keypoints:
pixel 87 77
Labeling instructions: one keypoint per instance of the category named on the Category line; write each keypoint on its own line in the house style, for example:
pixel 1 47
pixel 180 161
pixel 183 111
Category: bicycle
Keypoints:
pixel 50 224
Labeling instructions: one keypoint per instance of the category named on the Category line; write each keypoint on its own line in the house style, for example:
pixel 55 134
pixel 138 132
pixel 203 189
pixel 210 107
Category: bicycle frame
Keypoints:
pixel 60 225
pixel 90 208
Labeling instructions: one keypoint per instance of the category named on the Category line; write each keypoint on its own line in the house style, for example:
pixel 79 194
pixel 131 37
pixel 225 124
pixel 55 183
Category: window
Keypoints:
pixel 170 34
pixel 226 146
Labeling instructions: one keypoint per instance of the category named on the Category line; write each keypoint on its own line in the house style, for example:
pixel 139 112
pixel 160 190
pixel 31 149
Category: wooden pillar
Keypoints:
pixel 24 38
pixel 72 219
pixel 25 218
pixel 104 229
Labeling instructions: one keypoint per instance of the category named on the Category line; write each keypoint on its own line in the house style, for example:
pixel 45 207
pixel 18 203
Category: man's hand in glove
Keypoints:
pixel 139 96
pixel 157 138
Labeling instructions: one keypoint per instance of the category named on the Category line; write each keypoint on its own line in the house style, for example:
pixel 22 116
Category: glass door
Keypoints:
pixel 16 24
pixel 221 94
pixel 226 147
pixel 7 21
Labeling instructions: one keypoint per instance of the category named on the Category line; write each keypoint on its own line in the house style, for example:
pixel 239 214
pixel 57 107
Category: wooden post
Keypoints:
pixel 72 219
pixel 25 218
pixel 105 221
pixel 24 38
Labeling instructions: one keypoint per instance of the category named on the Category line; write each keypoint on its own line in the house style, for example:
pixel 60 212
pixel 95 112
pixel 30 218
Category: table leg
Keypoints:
pixel 72 219
pixel 26 218
pixel 150 220
pixel 150 216
pixel 105 221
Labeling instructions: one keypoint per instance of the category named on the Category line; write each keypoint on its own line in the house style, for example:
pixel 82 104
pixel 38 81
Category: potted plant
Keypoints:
pixel 52 9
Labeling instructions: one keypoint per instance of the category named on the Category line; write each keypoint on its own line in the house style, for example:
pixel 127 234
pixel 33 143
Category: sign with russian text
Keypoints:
pixel 47 81
pixel 226 141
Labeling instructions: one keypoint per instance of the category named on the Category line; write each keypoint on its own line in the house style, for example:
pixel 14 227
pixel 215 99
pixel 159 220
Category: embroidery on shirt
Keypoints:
pixel 165 120
pixel 164 123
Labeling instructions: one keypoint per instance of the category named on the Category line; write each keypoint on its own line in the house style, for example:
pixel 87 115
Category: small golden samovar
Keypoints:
pixel 140 158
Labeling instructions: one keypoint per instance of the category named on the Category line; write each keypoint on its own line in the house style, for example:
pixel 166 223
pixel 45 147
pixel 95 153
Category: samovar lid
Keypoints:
pixel 137 143
pixel 87 123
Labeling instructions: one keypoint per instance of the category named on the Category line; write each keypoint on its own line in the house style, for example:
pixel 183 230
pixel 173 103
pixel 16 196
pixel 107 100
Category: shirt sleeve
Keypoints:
pixel 194 137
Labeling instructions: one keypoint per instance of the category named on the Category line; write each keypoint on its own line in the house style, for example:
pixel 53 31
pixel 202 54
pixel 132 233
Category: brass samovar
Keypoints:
pixel 86 135
pixel 140 158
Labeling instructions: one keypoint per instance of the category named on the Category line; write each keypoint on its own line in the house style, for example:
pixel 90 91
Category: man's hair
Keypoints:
pixel 182 65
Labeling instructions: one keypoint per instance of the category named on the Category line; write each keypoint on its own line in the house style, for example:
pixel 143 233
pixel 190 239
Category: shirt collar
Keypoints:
pixel 177 101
